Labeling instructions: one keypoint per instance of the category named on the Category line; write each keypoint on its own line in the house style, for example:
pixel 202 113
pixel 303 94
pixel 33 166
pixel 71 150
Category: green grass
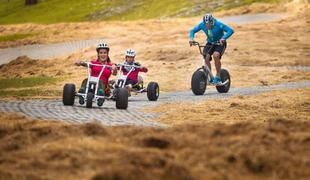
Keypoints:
pixel 30 92
pixel 32 82
pixel 149 9
pixel 17 36
pixel 47 11
pixel 26 82
pixel 229 4
pixel 55 11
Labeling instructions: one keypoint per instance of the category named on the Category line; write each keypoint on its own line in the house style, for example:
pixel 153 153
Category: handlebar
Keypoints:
pixel 195 43
pixel 127 65
pixel 88 64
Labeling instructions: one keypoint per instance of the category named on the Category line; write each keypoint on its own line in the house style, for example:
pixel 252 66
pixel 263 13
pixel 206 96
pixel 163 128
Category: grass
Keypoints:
pixel 17 36
pixel 148 9
pixel 55 11
pixel 47 11
pixel 32 82
pixel 229 4
pixel 29 92
pixel 26 82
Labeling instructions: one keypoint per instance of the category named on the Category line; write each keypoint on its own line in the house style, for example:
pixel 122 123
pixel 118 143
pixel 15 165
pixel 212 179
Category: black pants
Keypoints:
pixel 84 82
pixel 210 49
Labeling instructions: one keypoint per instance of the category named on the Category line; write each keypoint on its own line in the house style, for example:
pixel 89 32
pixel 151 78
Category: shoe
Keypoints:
pixel 107 92
pixel 81 99
pixel 100 101
pixel 100 92
pixel 216 80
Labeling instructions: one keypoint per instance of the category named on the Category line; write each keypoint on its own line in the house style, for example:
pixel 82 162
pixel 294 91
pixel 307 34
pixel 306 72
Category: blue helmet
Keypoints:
pixel 208 19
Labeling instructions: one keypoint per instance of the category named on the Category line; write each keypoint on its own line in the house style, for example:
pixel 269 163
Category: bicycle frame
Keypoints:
pixel 92 80
pixel 205 67
pixel 121 80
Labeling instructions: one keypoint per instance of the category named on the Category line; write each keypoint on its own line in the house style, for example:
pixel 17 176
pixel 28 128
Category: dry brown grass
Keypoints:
pixel 291 104
pixel 240 138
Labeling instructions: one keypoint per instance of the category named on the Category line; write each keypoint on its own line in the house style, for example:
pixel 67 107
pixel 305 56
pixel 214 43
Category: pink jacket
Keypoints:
pixel 95 71
pixel 134 74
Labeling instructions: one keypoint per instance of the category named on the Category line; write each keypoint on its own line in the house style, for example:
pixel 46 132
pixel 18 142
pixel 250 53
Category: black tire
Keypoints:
pixel 199 82
pixel 121 98
pixel 153 91
pixel 224 74
pixel 89 100
pixel 68 94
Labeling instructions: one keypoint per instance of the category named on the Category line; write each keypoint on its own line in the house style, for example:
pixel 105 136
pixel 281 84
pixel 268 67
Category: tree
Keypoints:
pixel 31 2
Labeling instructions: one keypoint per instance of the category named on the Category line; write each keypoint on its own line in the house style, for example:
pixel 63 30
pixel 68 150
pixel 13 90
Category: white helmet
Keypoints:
pixel 103 45
pixel 130 53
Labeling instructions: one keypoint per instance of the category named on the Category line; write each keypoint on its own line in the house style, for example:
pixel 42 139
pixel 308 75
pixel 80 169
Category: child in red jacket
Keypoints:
pixel 132 79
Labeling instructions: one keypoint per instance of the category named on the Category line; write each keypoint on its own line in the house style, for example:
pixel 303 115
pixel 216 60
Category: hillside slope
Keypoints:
pixel 54 11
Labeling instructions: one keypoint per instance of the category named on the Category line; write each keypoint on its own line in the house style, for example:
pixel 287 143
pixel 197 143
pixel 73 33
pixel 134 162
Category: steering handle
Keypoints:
pixel 127 65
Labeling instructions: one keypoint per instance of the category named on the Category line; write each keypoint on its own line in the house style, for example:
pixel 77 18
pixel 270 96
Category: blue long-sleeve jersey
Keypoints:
pixel 215 33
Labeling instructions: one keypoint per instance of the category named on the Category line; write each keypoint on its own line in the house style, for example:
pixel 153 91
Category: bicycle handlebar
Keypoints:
pixel 100 65
pixel 195 43
pixel 88 64
pixel 127 65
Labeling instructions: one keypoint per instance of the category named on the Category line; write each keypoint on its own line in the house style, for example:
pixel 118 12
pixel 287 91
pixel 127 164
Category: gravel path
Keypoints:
pixel 109 115
pixel 45 51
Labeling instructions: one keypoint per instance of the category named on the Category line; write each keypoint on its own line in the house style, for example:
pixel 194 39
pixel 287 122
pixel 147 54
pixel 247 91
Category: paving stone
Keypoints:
pixel 109 115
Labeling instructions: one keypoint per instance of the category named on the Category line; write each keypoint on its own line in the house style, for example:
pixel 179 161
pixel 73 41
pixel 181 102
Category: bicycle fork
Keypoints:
pixel 207 70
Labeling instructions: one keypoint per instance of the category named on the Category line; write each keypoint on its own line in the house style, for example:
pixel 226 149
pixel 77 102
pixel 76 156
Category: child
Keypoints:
pixel 102 59
pixel 132 79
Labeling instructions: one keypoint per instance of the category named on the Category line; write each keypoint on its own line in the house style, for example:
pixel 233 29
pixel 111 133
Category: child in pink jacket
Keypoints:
pixel 132 78
pixel 102 59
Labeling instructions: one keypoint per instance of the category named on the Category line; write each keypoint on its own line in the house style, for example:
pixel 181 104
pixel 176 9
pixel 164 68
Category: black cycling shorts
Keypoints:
pixel 210 50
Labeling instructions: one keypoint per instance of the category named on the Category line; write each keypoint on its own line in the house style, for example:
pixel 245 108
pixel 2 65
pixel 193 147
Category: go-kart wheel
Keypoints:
pixel 68 94
pixel 89 100
pixel 152 91
pixel 199 83
pixel 224 74
pixel 121 98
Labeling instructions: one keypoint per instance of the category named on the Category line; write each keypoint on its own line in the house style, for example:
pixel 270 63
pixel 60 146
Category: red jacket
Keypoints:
pixel 95 71
pixel 134 74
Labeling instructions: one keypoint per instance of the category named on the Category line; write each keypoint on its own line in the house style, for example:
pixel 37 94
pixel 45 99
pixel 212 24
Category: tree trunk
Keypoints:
pixel 30 2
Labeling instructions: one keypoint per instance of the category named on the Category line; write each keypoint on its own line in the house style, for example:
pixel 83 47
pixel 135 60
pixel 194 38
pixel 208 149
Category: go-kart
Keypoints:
pixel 152 89
pixel 203 75
pixel 90 95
